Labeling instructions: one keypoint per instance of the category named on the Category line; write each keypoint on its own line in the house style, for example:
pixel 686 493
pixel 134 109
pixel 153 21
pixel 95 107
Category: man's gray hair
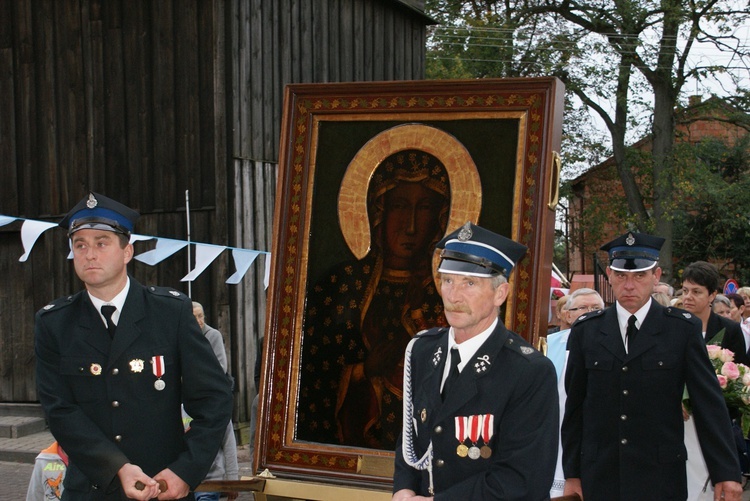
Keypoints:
pixel 497 281
pixel 670 289
pixel 583 291
pixel 721 298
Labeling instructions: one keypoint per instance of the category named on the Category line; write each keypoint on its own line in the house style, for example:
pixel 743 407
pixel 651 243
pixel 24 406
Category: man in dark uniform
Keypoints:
pixel 480 404
pixel 622 434
pixel 111 382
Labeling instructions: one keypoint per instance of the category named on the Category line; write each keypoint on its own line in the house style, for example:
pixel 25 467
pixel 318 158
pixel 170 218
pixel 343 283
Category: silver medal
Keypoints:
pixel 159 384
pixel 474 452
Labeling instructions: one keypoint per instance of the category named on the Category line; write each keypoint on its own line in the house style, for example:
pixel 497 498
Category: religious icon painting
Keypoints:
pixel 372 176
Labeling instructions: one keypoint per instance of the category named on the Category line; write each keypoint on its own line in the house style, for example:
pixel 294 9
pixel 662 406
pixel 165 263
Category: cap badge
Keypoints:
pixel 48 307
pixel 95 369
pixel 92 201
pixel 465 233
pixel 526 350
pixel 630 240
pixel 174 293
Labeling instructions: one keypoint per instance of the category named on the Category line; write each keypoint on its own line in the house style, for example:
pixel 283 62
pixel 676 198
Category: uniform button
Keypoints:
pixel 624 441
pixel 115 371
pixel 115 403
pixel 661 363
pixel 596 363
pixel 623 417
pixel 625 392
pixel 440 463
pixel 438 430
pixel 118 438
pixel 625 369
pixel 81 369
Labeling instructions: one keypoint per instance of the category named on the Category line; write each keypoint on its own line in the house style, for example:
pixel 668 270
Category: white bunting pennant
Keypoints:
pixel 140 238
pixel 204 255
pixel 165 247
pixel 30 232
pixel 242 261
pixel 6 220
pixel 267 275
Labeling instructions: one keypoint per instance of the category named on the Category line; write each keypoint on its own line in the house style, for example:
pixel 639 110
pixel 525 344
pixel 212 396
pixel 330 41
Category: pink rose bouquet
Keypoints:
pixel 734 380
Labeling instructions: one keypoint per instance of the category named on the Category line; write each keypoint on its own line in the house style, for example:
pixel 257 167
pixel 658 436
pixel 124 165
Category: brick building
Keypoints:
pixel 700 120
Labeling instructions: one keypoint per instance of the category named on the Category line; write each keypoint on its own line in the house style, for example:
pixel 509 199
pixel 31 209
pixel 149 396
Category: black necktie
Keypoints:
pixel 453 373
pixel 631 331
pixel 107 311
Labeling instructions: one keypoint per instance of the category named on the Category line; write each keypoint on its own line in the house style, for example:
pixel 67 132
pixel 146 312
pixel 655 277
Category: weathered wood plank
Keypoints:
pixel 188 100
pixel 9 188
pixel 163 95
pixel 45 162
pixel 113 94
pixel 69 101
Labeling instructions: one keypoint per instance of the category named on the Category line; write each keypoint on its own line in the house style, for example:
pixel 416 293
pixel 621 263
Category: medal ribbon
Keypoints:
pixel 157 363
pixel 461 428
pixel 474 428
pixel 488 429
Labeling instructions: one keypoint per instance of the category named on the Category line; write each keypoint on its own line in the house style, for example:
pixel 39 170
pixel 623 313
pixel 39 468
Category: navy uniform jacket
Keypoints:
pixel 506 378
pixel 100 398
pixel 623 432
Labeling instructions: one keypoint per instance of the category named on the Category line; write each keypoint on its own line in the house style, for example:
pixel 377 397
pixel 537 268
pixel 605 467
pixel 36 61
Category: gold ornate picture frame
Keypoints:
pixel 481 151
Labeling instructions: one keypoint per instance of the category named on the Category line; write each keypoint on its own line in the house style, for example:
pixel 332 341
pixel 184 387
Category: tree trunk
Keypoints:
pixel 663 142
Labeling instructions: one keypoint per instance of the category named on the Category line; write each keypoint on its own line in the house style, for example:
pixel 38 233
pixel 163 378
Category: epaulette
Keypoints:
pixel 430 332
pixel 679 313
pixel 166 291
pixel 588 316
pixel 520 345
pixel 57 304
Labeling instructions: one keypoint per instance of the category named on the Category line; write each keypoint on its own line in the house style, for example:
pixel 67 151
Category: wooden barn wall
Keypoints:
pixel 123 97
pixel 298 41
pixel 278 42
pixel 142 100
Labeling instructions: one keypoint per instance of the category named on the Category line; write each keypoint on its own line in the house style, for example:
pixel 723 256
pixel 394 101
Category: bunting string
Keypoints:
pixel 205 254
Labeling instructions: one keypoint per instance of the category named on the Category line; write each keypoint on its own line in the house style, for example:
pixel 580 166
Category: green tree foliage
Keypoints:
pixel 626 61
pixel 712 211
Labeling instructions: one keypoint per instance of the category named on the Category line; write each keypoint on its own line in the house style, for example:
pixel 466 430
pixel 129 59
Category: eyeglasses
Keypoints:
pixel 585 308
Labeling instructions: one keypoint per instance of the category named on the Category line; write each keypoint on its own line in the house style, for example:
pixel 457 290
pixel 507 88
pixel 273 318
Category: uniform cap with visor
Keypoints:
pixel 97 212
pixel 633 252
pixel 473 250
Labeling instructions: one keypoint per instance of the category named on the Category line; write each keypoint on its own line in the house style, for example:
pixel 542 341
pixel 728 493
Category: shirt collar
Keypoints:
pixel 470 346
pixel 623 315
pixel 118 302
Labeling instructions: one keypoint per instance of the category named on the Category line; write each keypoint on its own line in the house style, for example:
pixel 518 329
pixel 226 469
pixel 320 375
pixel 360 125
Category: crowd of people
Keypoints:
pixel 723 321
pixel 136 389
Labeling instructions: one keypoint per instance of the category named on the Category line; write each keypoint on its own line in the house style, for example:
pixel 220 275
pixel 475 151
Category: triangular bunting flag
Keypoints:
pixel 204 255
pixel 242 261
pixel 30 232
pixel 165 247
pixel 6 220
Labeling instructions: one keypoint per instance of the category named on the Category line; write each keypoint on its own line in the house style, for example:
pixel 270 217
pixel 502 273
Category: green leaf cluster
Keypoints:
pixel 712 205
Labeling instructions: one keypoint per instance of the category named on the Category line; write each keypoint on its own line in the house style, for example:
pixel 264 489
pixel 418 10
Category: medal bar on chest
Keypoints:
pixel 157 363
